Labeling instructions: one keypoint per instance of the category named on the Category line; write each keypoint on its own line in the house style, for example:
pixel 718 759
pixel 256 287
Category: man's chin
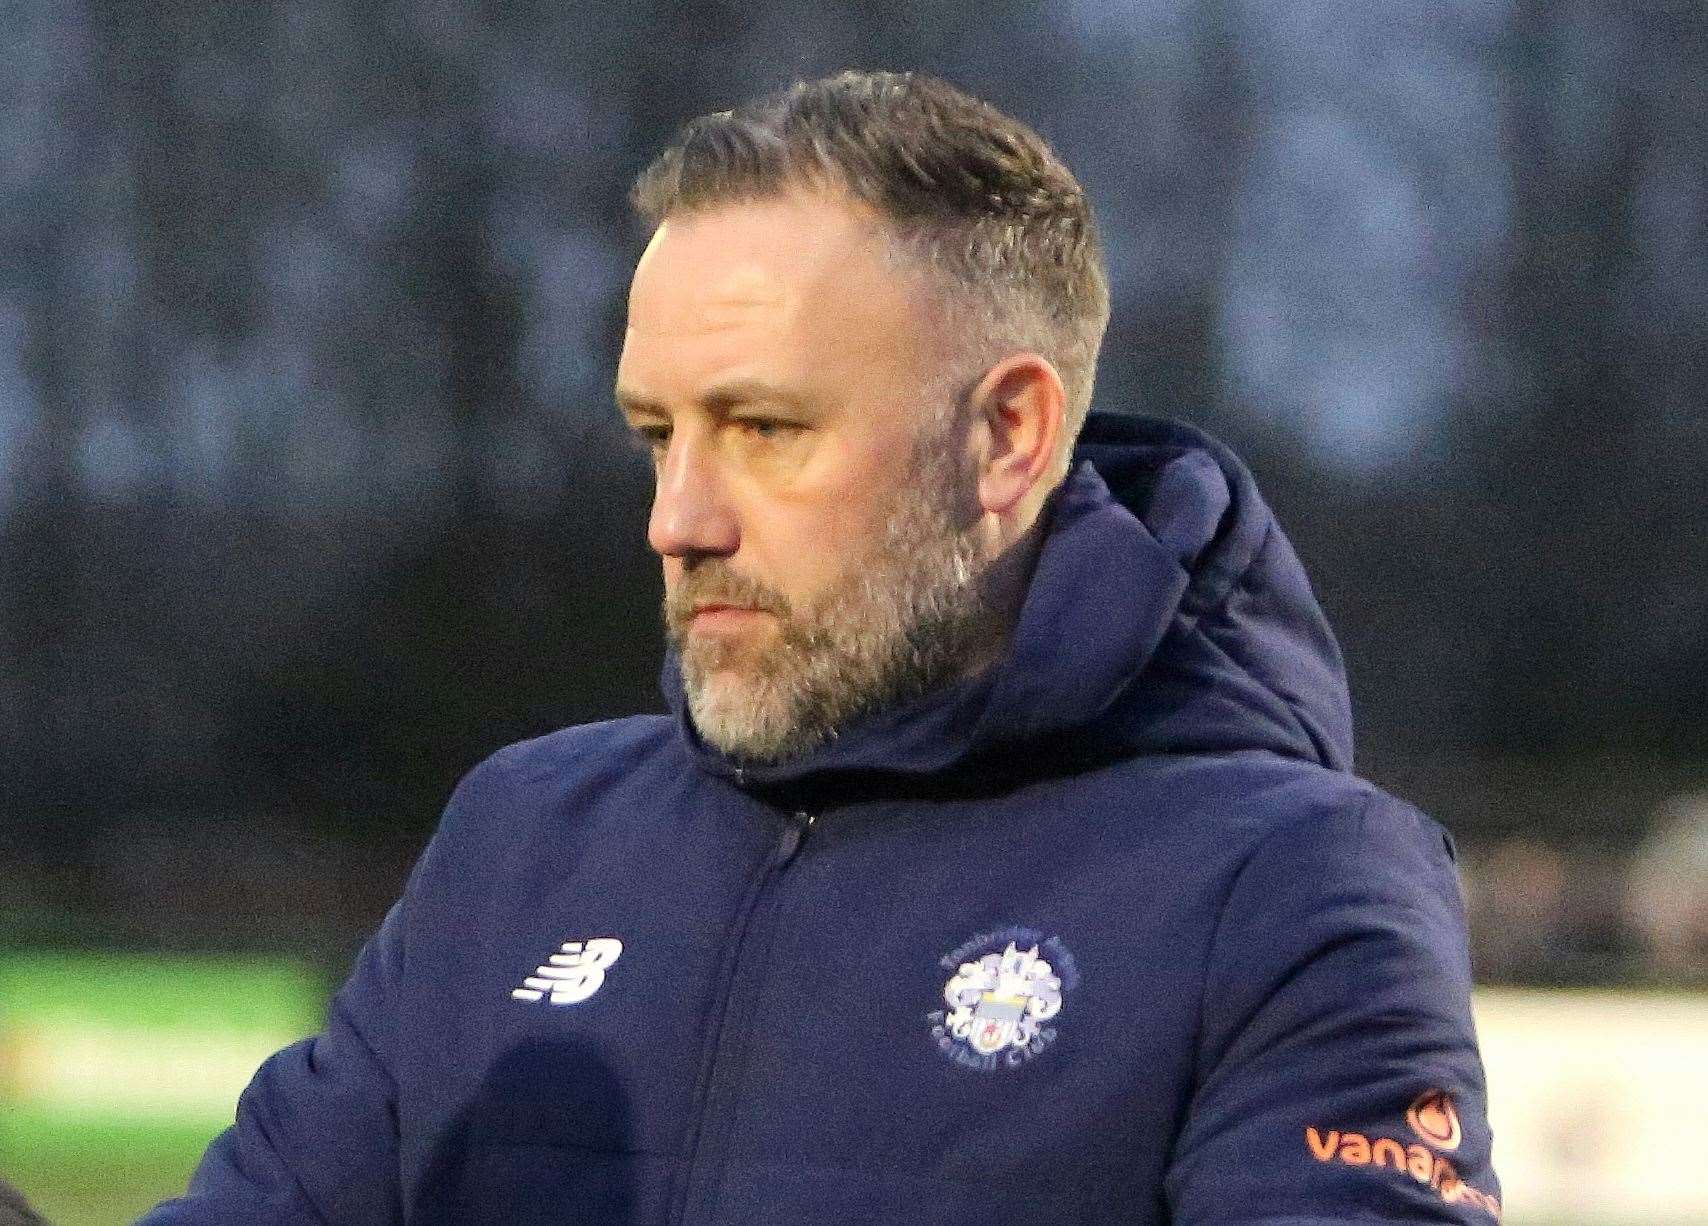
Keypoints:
pixel 728 667
pixel 733 715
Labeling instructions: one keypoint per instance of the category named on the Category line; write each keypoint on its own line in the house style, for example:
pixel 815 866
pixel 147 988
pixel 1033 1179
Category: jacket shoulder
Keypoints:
pixel 1334 818
pixel 1256 801
pixel 1320 850
pixel 531 784
pixel 606 747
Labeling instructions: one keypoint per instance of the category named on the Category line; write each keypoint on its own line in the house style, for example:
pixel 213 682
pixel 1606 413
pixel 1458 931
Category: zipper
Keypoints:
pixel 795 834
pixel 720 1071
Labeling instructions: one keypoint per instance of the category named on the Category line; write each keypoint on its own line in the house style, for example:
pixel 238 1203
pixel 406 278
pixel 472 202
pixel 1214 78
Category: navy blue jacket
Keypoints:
pixel 1109 934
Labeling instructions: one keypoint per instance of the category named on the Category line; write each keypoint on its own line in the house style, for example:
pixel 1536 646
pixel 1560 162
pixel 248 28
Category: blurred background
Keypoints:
pixel 312 492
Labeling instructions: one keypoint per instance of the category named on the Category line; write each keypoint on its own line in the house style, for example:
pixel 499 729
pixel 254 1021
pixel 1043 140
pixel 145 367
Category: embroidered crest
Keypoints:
pixel 1006 989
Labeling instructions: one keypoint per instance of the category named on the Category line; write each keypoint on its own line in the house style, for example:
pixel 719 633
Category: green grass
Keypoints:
pixel 118 1190
pixel 117 1070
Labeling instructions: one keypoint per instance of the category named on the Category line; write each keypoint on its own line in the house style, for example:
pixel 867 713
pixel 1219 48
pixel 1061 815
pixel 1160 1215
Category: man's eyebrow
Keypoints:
pixel 634 403
pixel 732 392
pixel 719 397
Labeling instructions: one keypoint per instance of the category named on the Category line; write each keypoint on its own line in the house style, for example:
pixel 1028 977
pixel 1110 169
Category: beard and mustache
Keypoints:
pixel 907 616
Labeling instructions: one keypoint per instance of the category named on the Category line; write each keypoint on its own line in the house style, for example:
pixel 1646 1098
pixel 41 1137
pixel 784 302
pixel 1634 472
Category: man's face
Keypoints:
pixel 814 506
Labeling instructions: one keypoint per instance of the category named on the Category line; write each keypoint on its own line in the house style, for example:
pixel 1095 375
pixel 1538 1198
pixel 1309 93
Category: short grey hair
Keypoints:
pixel 969 194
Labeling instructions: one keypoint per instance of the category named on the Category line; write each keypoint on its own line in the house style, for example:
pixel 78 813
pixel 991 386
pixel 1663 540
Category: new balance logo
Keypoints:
pixel 573 974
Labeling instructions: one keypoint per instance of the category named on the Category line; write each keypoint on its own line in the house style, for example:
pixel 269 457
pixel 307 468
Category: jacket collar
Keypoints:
pixel 1165 614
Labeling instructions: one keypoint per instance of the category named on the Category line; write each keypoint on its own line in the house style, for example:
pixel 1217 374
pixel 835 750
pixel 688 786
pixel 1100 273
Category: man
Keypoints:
pixel 1002 860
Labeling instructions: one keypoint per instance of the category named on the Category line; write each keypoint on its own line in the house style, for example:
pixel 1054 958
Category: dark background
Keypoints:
pixel 312 492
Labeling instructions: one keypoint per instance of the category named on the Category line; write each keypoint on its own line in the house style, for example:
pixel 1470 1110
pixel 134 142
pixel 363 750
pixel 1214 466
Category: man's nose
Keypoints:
pixel 690 513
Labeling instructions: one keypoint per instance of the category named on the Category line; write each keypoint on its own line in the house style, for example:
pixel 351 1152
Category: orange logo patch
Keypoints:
pixel 1432 1117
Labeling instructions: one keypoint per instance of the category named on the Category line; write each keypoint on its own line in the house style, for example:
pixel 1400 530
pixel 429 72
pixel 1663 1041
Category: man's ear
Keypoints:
pixel 1020 404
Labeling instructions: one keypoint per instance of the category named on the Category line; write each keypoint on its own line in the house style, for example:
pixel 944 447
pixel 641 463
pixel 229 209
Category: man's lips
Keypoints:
pixel 713 615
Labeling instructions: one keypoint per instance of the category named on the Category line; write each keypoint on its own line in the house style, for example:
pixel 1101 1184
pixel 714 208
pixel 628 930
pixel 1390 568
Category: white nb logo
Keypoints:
pixel 573 974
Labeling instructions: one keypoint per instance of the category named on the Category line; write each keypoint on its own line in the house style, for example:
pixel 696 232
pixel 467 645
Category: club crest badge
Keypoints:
pixel 1004 992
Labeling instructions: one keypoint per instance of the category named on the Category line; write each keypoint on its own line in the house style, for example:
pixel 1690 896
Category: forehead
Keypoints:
pixel 802 276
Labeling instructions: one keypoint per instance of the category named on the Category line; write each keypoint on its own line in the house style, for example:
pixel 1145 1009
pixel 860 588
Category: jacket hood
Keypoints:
pixel 1167 614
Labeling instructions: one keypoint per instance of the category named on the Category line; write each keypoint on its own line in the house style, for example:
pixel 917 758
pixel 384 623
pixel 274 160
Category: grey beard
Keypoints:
pixel 911 617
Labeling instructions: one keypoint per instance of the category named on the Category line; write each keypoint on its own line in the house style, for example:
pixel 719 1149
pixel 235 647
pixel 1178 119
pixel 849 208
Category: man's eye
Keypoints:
pixel 767 428
pixel 653 439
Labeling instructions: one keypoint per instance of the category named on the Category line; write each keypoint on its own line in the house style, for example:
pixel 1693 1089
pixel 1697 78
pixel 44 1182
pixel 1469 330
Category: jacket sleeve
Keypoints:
pixel 1337 1075
pixel 315 1142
